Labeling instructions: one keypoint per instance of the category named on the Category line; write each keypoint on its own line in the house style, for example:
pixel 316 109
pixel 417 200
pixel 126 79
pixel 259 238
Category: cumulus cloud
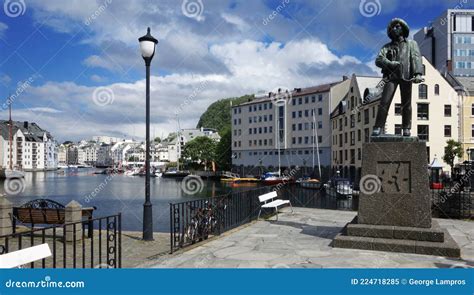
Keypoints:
pixel 73 111
pixel 3 28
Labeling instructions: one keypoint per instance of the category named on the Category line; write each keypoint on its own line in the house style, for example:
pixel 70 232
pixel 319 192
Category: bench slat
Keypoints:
pixel 267 196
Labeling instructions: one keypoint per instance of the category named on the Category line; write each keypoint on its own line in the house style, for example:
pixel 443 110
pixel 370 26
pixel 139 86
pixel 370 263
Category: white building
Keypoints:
pixel 435 119
pixel 301 120
pixel 32 148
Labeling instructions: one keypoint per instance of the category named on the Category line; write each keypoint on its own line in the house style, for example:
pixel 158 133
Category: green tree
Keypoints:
pixel 200 150
pixel 218 115
pixel 452 150
pixel 224 150
pixel 157 139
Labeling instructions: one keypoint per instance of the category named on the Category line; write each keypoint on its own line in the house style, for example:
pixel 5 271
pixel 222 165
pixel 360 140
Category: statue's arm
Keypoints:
pixel 416 60
pixel 382 61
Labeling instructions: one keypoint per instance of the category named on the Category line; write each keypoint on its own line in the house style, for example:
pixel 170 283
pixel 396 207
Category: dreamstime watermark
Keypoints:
pixel 370 8
pixel 443 21
pixel 14 8
pixel 99 188
pixel 192 96
pixel 47 282
pixel 283 4
pixel 286 178
pixel 103 96
pixel 192 184
pixel 193 9
pixel 370 184
pixel 22 86
pixel 14 186
pixel 98 12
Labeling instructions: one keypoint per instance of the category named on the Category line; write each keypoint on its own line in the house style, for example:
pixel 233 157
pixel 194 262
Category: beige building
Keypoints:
pixel 302 117
pixel 435 119
pixel 465 87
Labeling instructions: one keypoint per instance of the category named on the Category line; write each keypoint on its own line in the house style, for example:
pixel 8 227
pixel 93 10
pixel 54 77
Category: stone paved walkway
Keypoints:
pixel 302 240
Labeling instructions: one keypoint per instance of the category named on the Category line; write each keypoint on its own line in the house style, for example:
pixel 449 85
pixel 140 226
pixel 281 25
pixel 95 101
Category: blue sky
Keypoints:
pixel 86 74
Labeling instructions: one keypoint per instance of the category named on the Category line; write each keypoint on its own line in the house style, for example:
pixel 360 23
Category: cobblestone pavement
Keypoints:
pixel 303 240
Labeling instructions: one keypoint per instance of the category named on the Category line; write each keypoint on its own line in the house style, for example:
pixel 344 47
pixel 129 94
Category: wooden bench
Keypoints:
pixel 44 211
pixel 270 200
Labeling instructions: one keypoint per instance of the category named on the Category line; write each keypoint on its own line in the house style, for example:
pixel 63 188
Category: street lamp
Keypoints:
pixel 147 48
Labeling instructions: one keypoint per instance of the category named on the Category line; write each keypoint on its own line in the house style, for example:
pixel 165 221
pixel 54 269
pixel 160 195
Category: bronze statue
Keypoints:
pixel 401 64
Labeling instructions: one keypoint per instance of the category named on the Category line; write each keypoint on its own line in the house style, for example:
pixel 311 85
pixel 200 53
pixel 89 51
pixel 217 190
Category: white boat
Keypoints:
pixel 311 183
pixel 12 173
pixel 132 172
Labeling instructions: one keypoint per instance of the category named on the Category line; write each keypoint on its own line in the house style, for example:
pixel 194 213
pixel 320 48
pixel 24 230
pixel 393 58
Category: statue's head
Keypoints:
pixel 396 28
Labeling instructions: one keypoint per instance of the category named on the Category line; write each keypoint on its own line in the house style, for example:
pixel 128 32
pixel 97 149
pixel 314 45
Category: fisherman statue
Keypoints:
pixel 401 64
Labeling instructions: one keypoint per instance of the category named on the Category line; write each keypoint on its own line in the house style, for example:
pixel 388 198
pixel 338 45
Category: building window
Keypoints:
pixel 366 134
pixel 352 137
pixel 447 130
pixel 320 97
pixel 422 91
pixel 293 115
pixel 423 111
pixel 359 154
pixel 472 109
pixel 358 117
pixel 398 109
pixel 423 132
pixel 320 111
pixel 359 135
pixel 320 124
pixel 472 130
pixel 300 100
pixel 398 129
pixel 366 116
pixel 352 121
pixel 436 89
pixel 447 110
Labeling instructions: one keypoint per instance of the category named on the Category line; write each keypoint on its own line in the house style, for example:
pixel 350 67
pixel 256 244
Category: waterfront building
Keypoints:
pixel 298 123
pixel 104 155
pixel 106 139
pixel 435 119
pixel 33 148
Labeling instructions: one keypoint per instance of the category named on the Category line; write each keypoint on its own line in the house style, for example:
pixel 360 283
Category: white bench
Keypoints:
pixel 270 200
pixel 24 256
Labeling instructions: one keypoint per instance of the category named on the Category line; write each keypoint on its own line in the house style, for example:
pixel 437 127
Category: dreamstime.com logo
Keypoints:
pixel 193 9
pixel 44 283
pixel 103 96
pixel 192 184
pixel 14 186
pixel 14 8
pixel 370 8
pixel 370 184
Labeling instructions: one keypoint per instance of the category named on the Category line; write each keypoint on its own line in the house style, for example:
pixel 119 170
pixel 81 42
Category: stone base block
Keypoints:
pixel 448 248
pixel 433 234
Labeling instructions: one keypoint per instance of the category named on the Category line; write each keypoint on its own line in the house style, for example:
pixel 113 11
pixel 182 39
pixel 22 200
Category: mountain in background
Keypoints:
pixel 218 116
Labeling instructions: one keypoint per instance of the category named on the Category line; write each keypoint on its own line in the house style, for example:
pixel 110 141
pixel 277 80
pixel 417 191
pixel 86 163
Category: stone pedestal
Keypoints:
pixel 395 202
pixel 6 215
pixel 73 213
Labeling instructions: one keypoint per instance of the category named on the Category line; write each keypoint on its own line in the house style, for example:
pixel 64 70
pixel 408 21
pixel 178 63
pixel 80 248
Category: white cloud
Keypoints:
pixel 69 112
pixel 241 24
pixel 97 78
pixel 3 28
pixel 5 79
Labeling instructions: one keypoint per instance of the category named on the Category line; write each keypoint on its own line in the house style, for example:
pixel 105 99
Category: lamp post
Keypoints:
pixel 147 48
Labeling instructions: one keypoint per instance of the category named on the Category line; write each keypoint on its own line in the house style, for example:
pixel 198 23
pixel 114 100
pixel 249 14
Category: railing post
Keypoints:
pixel 6 217
pixel 73 214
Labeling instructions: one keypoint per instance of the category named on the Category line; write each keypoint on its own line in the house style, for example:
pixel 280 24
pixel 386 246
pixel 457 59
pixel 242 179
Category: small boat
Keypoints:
pixel 271 178
pixel 339 187
pixel 12 173
pixel 311 183
pixel 173 173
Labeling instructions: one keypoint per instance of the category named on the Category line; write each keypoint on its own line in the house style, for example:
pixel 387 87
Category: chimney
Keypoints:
pixel 279 90
pixel 269 94
pixel 25 124
pixel 344 78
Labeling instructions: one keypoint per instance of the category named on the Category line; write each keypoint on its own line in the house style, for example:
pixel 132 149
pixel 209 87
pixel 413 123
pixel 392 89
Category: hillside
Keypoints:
pixel 218 115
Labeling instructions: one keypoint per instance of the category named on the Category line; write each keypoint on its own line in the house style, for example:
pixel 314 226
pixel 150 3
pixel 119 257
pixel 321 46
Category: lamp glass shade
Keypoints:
pixel 147 48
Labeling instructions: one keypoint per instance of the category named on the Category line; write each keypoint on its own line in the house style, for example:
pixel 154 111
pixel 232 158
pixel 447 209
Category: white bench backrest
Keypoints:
pixel 24 256
pixel 268 196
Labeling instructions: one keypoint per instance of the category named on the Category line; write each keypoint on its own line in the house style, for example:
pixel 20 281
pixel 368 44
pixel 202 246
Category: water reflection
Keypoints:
pixel 119 193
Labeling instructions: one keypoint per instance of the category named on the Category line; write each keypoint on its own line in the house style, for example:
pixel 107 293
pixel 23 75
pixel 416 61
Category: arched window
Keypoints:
pixel 424 70
pixel 436 89
pixel 422 91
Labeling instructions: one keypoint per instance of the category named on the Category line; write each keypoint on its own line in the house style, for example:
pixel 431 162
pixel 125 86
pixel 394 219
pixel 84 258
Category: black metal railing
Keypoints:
pixel 452 203
pixel 196 220
pixel 71 245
